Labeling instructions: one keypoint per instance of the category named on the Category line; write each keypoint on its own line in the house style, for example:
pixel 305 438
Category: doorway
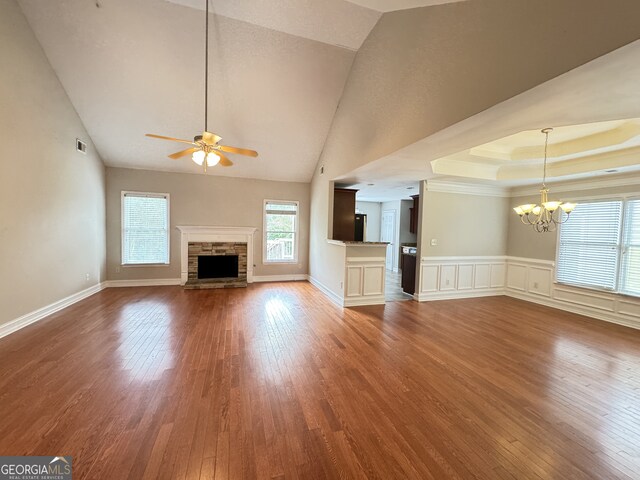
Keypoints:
pixel 387 234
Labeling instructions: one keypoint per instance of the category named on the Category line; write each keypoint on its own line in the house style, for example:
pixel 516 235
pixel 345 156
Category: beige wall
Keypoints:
pixel 463 225
pixel 413 77
pixel 372 210
pixel 52 216
pixel 203 200
pixel 524 242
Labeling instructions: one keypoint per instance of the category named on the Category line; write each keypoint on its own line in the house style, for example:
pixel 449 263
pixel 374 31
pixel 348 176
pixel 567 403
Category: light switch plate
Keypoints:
pixel 434 242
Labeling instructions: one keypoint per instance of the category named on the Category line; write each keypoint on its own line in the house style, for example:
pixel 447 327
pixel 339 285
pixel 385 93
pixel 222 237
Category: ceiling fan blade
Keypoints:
pixel 183 153
pixel 169 138
pixel 241 151
pixel 210 138
pixel 224 160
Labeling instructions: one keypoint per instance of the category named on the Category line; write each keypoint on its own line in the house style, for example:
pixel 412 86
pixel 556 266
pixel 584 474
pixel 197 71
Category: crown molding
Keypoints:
pixel 445 186
pixel 578 185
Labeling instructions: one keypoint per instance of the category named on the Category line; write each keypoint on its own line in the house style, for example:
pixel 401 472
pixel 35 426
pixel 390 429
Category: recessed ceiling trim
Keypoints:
pixel 616 136
pixel 447 186
pixel 580 185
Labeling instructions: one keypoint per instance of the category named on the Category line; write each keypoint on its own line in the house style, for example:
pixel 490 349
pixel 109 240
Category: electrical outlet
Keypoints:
pixel 86 277
pixel 447 282
pixel 535 285
pixel 117 269
pixel 341 285
pixel 434 242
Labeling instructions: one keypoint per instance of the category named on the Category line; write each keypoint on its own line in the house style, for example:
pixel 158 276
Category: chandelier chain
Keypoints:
pixel 546 146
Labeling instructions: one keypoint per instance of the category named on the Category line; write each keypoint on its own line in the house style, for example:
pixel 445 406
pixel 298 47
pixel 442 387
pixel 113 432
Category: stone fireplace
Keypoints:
pixel 216 265
pixel 216 257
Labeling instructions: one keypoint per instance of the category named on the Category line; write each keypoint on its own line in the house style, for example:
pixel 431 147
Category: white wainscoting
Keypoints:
pixel 533 280
pixel 364 281
pixel 529 279
pixel 444 278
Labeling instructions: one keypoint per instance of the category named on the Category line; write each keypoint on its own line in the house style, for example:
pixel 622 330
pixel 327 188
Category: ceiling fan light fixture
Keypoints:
pixel 198 157
pixel 212 159
pixel 206 148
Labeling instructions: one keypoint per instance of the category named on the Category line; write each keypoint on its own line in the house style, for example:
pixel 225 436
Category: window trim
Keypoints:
pixel 166 196
pixel 624 198
pixel 264 233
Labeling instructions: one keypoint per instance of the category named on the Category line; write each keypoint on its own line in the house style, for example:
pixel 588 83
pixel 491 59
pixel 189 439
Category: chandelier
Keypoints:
pixel 546 216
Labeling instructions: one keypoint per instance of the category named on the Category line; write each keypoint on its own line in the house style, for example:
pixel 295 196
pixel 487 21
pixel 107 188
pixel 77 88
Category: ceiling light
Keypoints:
pixel 212 159
pixel 546 216
pixel 198 157
pixel 203 146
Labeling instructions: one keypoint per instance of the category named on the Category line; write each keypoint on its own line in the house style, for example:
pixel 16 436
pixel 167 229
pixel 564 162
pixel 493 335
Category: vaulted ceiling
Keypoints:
pixel 279 70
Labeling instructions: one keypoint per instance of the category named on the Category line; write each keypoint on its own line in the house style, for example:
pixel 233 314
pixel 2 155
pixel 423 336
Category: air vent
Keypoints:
pixel 81 146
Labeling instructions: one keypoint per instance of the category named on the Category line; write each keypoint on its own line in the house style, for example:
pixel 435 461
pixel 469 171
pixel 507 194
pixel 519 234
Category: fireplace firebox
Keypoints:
pixel 217 266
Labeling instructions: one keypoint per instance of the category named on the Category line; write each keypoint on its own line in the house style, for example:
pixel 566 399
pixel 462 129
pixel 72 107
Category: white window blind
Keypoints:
pixel 281 231
pixel 630 272
pixel 145 228
pixel 589 247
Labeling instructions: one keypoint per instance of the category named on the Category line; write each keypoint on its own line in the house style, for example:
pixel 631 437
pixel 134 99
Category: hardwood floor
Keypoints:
pixel 274 381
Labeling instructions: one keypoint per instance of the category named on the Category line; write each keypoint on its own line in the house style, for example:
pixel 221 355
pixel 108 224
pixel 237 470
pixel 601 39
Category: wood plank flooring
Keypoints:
pixel 275 382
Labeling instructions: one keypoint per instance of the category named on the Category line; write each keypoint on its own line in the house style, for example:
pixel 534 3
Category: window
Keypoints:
pixel 630 273
pixel 599 247
pixel 145 228
pixel 280 231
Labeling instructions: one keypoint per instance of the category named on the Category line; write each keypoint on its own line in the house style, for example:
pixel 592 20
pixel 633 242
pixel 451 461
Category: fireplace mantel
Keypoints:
pixel 214 234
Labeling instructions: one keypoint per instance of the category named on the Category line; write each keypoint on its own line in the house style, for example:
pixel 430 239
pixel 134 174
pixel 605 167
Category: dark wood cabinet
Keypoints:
pixel 414 214
pixel 344 214
pixel 408 273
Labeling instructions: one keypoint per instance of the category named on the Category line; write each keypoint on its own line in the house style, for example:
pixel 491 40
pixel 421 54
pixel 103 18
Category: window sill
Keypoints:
pixel 129 265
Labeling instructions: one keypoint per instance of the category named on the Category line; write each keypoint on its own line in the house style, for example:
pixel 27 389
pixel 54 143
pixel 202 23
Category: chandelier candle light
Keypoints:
pixel 546 216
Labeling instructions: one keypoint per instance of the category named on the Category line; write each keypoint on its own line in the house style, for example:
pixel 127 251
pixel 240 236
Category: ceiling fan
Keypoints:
pixel 206 149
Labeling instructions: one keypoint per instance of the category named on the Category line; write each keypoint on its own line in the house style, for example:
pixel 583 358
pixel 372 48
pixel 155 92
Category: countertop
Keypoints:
pixel 349 243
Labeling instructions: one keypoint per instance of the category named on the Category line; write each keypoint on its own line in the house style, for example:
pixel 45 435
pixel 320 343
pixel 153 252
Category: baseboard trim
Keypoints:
pixel 578 309
pixel 296 277
pixel 36 315
pixel 332 296
pixel 457 294
pixel 364 301
pixel 150 282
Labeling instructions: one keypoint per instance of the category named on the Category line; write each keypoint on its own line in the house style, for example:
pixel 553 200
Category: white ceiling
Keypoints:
pixel 393 5
pixel 336 22
pixel 384 191
pixel 573 149
pixel 136 67
pixel 603 90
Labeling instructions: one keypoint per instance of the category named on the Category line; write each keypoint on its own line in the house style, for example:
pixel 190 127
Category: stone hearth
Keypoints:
pixel 199 249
